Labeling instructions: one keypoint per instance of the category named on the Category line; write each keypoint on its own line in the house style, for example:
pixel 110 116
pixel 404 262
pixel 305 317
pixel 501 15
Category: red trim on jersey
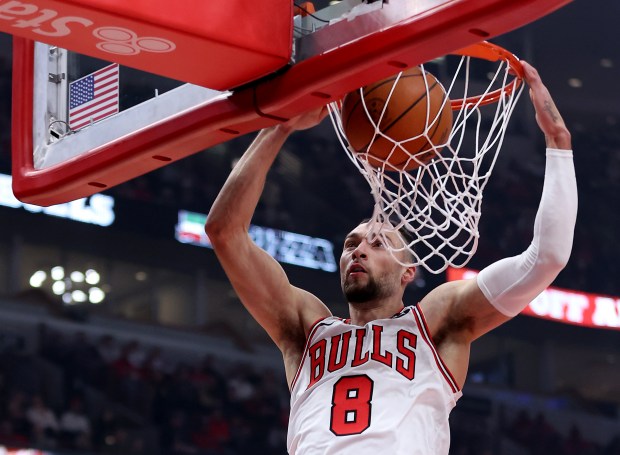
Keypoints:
pixel 426 335
pixel 313 328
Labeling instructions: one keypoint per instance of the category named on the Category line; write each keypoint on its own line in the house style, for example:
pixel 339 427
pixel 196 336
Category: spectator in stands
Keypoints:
pixel 214 433
pixel 521 428
pixel 108 349
pixel 127 375
pixel 104 428
pixel 211 387
pixel 575 444
pixel 155 364
pixel 129 359
pixel 53 344
pixel 613 447
pixel 176 435
pixel 43 422
pixel 16 413
pixel 182 392
pixel 242 441
pixel 75 427
pixel 9 436
pixel 212 393
pixel 84 363
pixel 120 442
pixel 544 438
pixel 241 387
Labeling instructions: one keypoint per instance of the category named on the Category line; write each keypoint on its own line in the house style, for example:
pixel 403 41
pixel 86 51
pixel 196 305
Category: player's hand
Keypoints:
pixel 547 115
pixel 307 119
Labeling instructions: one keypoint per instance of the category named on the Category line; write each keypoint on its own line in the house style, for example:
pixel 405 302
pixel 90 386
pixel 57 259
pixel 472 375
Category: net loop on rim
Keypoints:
pixel 437 204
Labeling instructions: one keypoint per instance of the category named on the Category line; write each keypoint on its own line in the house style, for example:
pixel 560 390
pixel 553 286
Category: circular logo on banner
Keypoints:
pixel 122 41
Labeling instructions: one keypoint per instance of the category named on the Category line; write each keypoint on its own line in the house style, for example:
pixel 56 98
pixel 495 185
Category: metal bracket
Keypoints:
pixel 56 78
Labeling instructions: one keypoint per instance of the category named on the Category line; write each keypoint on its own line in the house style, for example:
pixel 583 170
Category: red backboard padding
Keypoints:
pixel 310 83
pixel 215 44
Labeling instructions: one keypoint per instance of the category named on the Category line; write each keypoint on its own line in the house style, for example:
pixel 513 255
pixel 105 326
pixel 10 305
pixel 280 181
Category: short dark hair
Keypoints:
pixel 405 233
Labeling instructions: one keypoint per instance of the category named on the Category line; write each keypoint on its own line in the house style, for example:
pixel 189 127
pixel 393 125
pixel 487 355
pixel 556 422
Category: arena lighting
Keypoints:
pixel 58 273
pixel 79 296
pixel 92 276
pixel 575 82
pixel 141 276
pixel 37 278
pixel 96 295
pixel 76 287
pixel 563 305
pixel 77 277
pixel 58 287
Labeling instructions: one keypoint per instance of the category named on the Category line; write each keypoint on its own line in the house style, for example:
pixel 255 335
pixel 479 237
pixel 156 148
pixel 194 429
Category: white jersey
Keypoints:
pixel 377 389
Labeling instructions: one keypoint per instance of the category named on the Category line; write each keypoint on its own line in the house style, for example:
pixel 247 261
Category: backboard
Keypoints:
pixel 273 67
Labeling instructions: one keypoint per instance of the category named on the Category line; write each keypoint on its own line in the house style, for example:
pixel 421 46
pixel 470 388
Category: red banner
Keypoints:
pixel 563 305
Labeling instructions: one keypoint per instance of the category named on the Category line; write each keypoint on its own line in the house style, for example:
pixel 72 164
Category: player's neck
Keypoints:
pixel 363 313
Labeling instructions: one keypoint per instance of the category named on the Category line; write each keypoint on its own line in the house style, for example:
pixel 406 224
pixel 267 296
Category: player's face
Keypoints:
pixel 367 269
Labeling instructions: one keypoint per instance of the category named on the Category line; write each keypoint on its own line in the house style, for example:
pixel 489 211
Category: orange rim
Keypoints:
pixel 491 52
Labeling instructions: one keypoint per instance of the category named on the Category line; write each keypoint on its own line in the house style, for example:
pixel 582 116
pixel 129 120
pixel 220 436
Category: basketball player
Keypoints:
pixel 384 380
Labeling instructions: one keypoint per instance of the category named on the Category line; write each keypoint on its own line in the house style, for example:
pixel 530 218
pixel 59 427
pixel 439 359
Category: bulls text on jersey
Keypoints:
pixel 333 353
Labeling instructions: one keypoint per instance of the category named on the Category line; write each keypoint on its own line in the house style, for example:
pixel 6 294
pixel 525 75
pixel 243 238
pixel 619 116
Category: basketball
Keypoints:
pixel 401 119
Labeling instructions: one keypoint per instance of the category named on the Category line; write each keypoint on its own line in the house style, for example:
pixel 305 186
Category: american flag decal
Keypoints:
pixel 93 97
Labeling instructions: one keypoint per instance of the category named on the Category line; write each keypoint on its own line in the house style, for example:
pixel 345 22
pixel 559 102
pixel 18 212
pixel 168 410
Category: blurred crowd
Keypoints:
pixel 526 433
pixel 83 396
pixel 113 397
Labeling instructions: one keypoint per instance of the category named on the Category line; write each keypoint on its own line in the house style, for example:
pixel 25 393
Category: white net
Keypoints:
pixel 437 205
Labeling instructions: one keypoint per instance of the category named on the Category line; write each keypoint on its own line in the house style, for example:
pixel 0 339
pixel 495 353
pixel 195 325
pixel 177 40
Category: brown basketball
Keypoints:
pixel 404 118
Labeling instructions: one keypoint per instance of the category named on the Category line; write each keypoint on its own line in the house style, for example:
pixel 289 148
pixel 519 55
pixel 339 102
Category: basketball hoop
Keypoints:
pixel 438 202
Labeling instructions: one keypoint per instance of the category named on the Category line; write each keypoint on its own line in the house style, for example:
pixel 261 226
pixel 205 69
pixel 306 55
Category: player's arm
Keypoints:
pixel 283 310
pixel 467 309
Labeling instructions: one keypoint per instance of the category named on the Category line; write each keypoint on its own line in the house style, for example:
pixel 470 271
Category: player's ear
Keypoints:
pixel 408 275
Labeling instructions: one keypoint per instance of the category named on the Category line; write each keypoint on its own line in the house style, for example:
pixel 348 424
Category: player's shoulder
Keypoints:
pixel 311 308
pixel 437 304
pixel 443 294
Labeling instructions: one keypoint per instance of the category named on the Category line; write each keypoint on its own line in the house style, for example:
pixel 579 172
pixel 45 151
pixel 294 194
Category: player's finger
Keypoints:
pixel 531 74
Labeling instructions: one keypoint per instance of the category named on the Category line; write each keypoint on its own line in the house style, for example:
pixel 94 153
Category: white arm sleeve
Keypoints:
pixel 511 283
